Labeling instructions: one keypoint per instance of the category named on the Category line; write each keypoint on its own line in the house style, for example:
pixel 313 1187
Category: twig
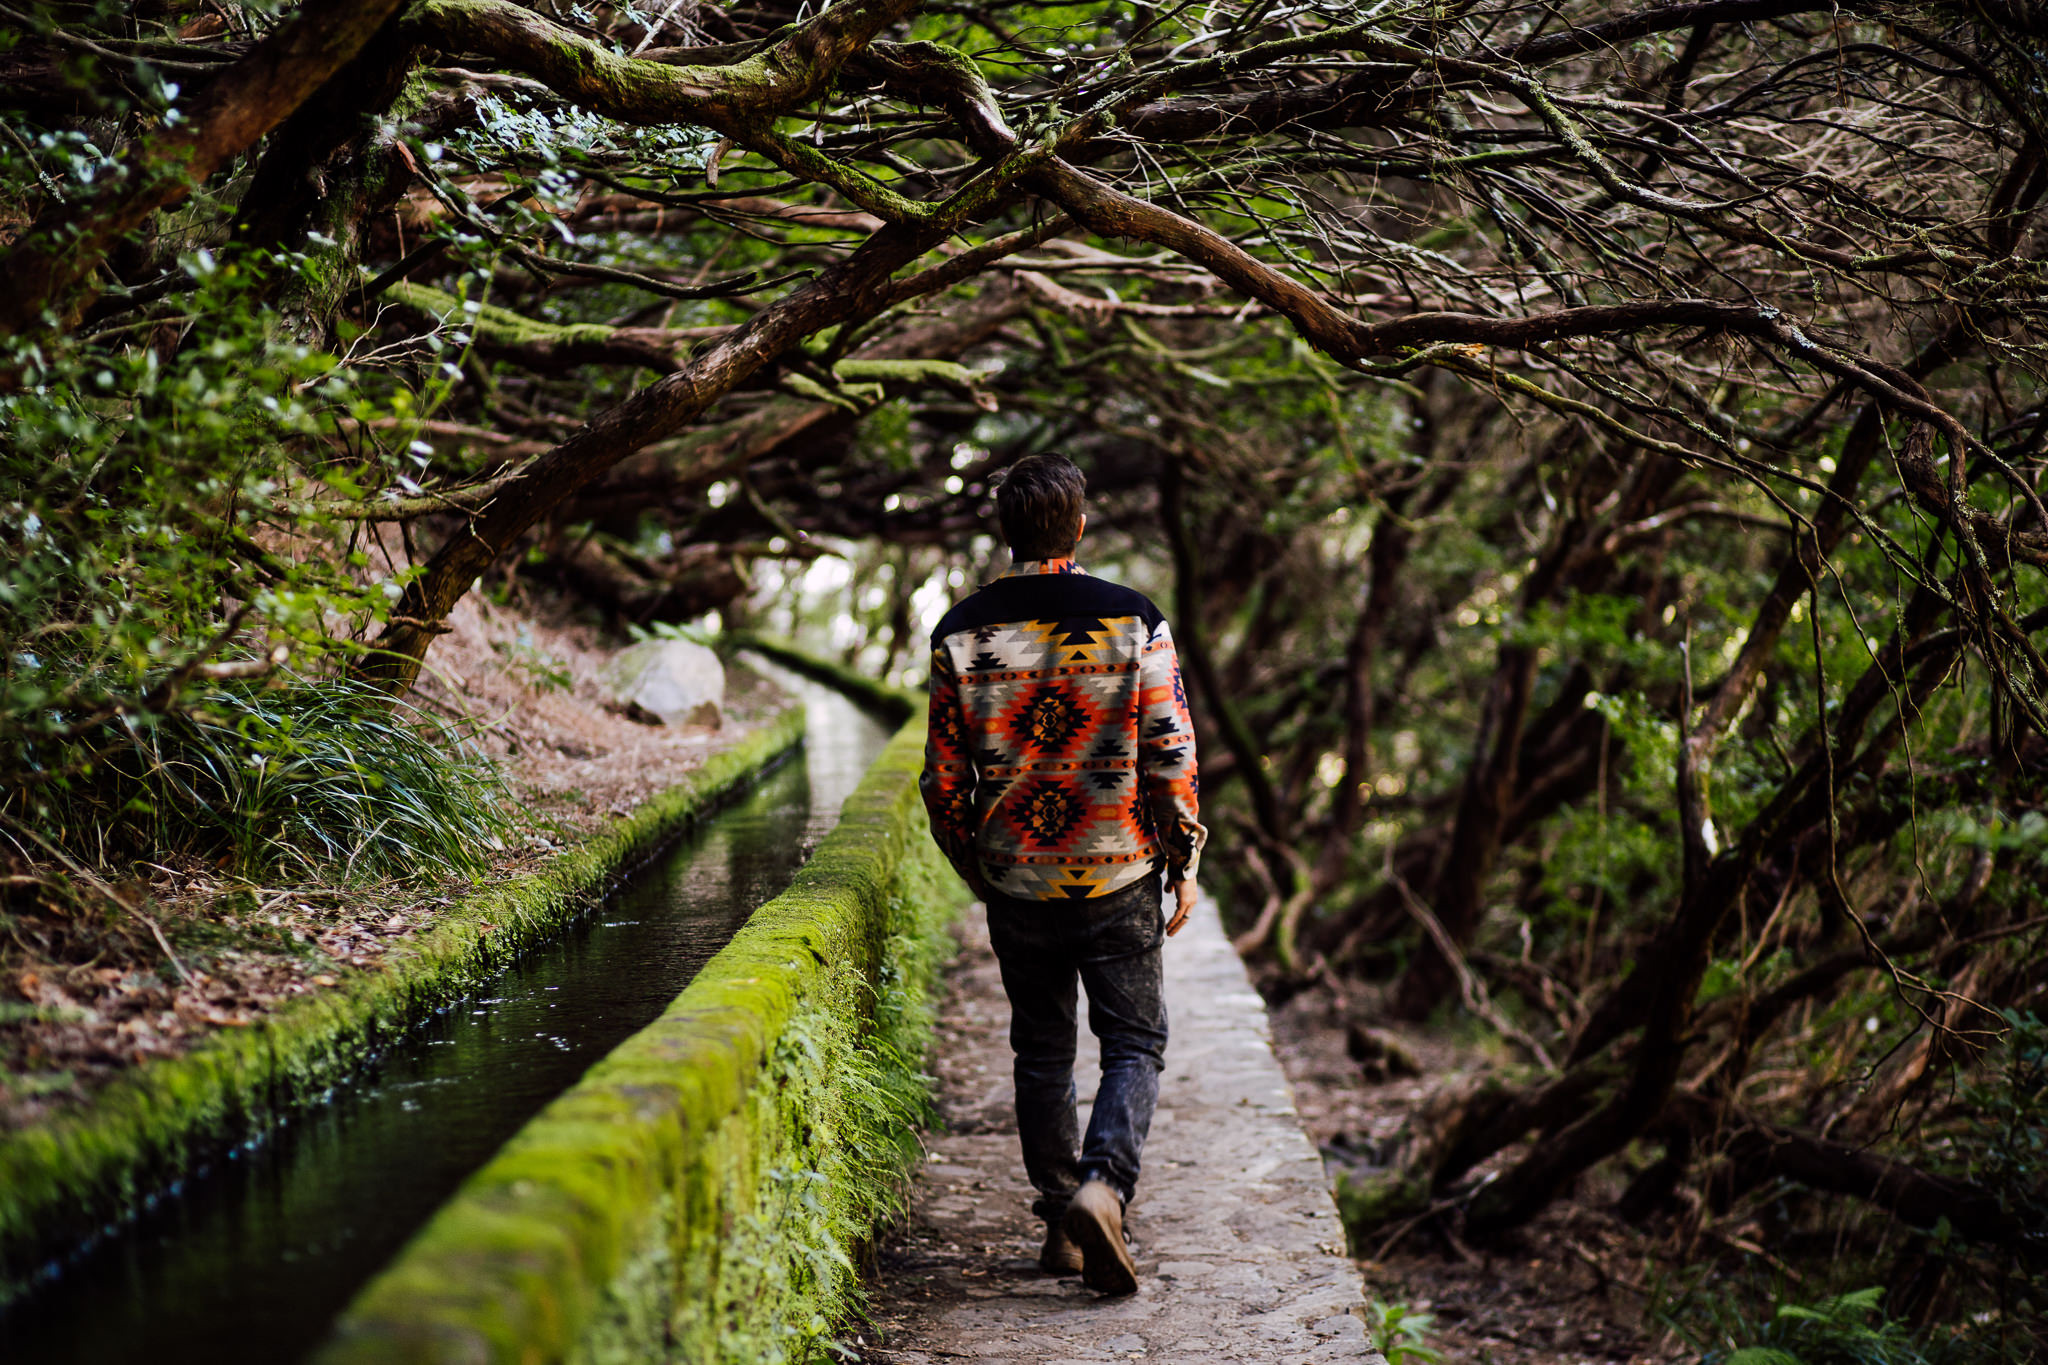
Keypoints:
pixel 157 933
pixel 1470 987
pixel 1252 939
pixel 735 285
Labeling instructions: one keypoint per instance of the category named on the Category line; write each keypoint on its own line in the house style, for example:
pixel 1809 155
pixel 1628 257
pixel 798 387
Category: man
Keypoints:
pixel 1060 777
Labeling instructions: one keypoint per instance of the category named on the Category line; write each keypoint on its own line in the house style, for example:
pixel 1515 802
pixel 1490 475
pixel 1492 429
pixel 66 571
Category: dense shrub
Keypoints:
pixel 175 613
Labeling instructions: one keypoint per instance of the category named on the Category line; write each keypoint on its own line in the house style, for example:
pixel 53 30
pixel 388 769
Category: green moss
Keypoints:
pixel 1369 1203
pixel 493 323
pixel 907 372
pixel 62 1180
pixel 701 1193
pixel 890 703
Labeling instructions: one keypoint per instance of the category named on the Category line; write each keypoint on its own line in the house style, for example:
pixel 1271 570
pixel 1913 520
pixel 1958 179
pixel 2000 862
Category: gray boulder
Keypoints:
pixel 683 683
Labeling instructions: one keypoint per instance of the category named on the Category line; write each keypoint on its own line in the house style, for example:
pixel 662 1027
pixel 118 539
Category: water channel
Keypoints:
pixel 252 1260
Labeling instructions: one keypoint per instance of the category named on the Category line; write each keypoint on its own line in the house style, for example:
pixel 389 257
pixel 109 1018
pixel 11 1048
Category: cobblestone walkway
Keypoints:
pixel 1237 1241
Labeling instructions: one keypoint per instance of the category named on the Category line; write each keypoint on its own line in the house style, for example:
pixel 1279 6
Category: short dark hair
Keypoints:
pixel 1039 505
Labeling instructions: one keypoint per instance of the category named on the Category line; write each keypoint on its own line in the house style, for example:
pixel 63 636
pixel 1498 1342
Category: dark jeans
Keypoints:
pixel 1111 945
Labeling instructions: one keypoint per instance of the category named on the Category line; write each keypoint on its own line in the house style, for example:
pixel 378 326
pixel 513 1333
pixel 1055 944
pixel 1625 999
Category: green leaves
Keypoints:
pixel 1844 1329
pixel 1400 1332
pixel 159 550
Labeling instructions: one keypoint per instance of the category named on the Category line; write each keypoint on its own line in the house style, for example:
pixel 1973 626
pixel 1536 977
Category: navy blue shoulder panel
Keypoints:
pixel 1045 597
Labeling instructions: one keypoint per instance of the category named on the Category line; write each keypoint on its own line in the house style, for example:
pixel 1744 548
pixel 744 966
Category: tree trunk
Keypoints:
pixel 1385 558
pixel 1194 648
pixel 846 292
pixel 1468 858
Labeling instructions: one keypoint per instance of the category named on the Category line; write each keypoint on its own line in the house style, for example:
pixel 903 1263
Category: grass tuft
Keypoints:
pixel 301 777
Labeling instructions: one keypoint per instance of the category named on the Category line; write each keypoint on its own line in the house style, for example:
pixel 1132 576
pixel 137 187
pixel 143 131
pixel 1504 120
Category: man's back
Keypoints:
pixel 1061 763
pixel 1060 777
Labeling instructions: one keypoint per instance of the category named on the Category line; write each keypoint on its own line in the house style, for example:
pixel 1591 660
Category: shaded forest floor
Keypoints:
pixel 197 947
pixel 1574 1288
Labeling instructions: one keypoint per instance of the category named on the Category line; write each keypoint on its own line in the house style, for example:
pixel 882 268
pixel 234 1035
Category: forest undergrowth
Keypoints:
pixel 1590 1283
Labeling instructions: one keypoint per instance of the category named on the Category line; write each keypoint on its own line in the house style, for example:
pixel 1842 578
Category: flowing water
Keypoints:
pixel 253 1259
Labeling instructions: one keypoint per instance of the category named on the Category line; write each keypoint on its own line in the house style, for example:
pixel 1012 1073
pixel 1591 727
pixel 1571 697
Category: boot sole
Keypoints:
pixel 1106 1265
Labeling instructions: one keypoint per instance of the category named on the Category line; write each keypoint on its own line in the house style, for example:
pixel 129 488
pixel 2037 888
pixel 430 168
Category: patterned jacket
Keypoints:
pixel 1061 761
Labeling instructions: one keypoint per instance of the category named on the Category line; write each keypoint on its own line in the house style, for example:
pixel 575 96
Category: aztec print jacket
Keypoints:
pixel 1061 760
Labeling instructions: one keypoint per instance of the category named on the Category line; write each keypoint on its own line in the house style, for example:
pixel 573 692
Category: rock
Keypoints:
pixel 681 682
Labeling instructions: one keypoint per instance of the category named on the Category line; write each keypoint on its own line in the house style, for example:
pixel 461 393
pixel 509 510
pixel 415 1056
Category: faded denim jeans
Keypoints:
pixel 1110 945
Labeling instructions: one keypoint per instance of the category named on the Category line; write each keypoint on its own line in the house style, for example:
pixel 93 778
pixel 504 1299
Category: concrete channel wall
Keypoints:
pixel 60 1182
pixel 703 1193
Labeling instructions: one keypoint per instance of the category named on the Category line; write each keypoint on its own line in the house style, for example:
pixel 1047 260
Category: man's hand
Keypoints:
pixel 1184 895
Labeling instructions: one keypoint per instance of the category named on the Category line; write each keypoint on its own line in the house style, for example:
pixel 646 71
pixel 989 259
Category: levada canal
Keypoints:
pixel 252 1260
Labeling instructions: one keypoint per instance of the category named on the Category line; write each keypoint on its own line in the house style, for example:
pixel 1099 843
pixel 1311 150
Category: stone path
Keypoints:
pixel 1237 1241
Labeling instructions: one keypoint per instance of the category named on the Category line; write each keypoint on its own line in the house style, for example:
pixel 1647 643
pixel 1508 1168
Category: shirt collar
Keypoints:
pixel 1032 566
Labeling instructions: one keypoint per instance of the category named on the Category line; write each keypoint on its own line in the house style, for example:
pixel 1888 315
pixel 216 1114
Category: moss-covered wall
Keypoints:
pixel 890 703
pixel 700 1194
pixel 61 1181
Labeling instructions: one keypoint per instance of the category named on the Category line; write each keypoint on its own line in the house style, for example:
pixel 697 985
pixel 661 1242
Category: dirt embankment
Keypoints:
pixel 200 948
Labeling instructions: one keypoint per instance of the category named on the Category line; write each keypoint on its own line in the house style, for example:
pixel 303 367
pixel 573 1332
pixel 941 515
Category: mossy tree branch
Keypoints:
pixel 852 291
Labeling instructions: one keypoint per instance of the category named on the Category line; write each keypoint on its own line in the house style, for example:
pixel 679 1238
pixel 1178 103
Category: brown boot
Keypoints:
pixel 1059 1255
pixel 1095 1222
